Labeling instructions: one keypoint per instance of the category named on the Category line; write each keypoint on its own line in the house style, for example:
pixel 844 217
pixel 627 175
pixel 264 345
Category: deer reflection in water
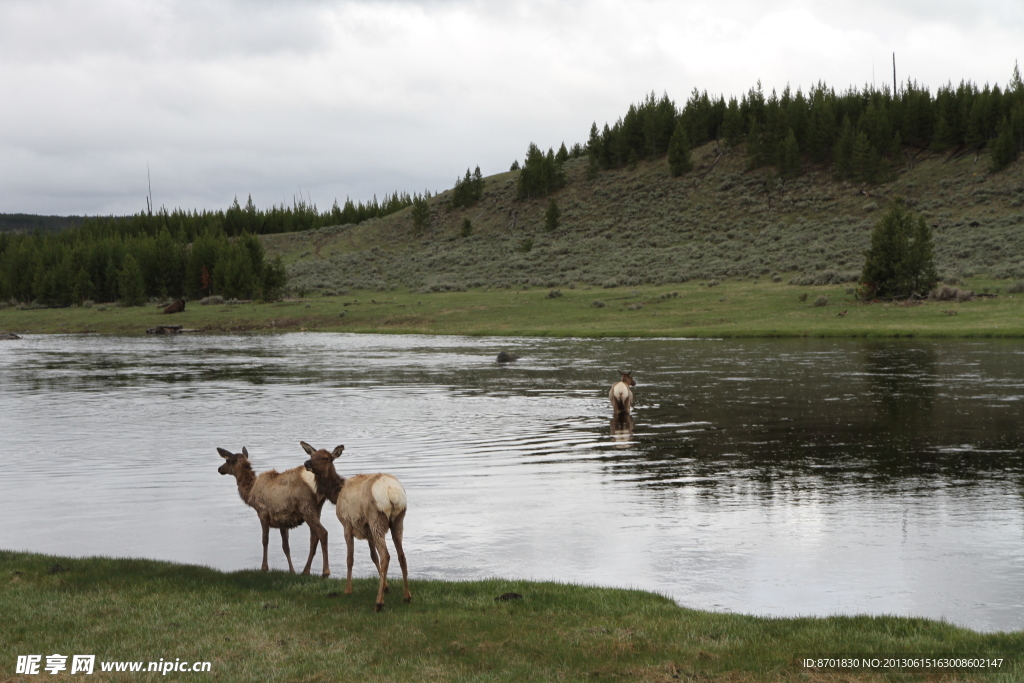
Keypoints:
pixel 621 428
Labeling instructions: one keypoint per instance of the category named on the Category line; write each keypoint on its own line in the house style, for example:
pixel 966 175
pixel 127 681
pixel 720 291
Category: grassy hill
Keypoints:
pixel 631 227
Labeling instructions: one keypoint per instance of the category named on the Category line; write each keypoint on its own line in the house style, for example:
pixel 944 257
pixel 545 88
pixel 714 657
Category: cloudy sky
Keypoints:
pixel 334 99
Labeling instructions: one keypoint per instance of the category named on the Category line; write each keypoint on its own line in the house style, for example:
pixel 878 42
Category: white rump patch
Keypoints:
pixel 309 478
pixel 389 496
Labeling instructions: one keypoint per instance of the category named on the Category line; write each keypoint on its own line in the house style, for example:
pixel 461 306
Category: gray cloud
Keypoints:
pixel 353 98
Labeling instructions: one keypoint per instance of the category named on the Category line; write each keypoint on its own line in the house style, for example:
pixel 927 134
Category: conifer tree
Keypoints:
pixel 541 174
pixel 843 153
pixel 273 279
pixel 563 154
pixel 732 124
pixel 552 216
pixel 467 228
pixel 593 166
pixel 943 137
pixel 82 289
pixel 420 215
pixel 633 160
pixel 1004 148
pixel 754 144
pixel 866 160
pixel 899 261
pixel 821 128
pixel 679 160
pixel 130 287
pixel 789 164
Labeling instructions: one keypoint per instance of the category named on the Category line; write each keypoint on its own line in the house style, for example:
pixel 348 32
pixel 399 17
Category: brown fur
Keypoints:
pixel 620 394
pixel 361 515
pixel 176 307
pixel 283 500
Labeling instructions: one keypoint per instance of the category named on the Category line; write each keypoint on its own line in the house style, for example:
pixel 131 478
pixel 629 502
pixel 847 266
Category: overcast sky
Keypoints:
pixel 336 99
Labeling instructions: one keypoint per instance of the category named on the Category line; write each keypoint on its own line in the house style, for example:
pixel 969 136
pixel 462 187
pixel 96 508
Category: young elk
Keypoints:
pixel 283 500
pixel 620 395
pixel 368 505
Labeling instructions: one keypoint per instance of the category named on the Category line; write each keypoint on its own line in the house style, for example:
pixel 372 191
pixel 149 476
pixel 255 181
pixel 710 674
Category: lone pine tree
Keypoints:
pixel 899 261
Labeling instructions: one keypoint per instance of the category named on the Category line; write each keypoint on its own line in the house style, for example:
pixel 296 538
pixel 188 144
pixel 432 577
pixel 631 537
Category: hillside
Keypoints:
pixel 641 226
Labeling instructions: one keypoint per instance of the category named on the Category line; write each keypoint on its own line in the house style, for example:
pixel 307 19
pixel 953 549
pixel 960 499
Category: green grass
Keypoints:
pixel 741 308
pixel 280 627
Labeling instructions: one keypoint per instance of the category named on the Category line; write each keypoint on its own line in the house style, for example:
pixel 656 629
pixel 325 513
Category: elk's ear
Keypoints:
pixel 306 447
pixel 245 452
pixel 336 452
pixel 224 454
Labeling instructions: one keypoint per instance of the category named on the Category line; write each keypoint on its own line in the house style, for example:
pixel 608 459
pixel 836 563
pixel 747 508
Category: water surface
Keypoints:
pixel 796 477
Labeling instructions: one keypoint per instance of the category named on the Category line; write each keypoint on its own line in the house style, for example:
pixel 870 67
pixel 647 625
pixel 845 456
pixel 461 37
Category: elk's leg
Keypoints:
pixel 378 529
pixel 266 540
pixel 313 540
pixel 317 534
pixel 376 562
pixel 350 547
pixel 322 532
pixel 287 550
pixel 396 536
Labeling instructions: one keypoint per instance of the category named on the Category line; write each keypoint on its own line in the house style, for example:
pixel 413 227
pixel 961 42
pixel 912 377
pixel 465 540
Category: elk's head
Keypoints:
pixel 320 461
pixel 234 461
pixel 627 378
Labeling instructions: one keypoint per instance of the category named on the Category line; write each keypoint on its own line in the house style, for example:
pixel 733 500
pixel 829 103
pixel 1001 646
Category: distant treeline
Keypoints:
pixel 25 222
pixel 165 254
pixel 862 133
pixel 132 260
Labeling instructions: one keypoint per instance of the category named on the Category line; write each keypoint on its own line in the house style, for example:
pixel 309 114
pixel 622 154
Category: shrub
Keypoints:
pixel 554 294
pixel 597 303
pixel 1016 288
pixel 214 300
pixel 821 301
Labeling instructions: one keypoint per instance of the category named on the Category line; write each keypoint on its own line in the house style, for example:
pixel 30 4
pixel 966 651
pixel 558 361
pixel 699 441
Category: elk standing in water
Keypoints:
pixel 283 500
pixel 368 505
pixel 620 394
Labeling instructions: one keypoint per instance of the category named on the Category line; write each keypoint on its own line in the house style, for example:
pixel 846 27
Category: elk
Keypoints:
pixel 368 505
pixel 283 500
pixel 620 394
pixel 176 307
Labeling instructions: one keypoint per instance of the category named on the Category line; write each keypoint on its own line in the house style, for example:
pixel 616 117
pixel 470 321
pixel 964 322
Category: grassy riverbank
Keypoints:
pixel 275 626
pixel 741 308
